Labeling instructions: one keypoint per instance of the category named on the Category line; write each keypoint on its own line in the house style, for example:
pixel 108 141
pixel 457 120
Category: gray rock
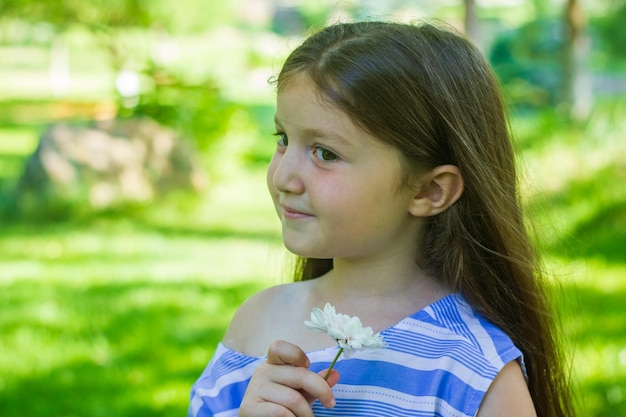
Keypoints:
pixel 108 164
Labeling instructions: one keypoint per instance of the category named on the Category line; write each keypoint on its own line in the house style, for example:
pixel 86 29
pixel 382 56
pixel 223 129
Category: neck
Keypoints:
pixel 372 280
pixel 368 288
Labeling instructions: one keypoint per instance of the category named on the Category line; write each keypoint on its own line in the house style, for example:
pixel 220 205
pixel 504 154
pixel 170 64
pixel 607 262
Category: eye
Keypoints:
pixel 282 139
pixel 324 154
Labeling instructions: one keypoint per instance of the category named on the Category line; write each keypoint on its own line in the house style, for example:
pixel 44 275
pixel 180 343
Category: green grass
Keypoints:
pixel 118 315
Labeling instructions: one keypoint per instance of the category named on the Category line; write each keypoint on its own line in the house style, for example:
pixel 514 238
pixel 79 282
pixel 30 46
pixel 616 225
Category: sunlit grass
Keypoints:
pixel 17 141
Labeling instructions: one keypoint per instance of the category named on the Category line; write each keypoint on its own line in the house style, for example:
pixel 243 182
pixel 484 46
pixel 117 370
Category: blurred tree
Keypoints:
pixel 610 29
pixel 194 108
pixel 541 7
pixel 577 90
pixel 107 19
pixel 526 60
pixel 101 17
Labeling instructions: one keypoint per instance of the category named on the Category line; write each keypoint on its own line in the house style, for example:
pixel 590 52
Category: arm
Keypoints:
pixel 508 395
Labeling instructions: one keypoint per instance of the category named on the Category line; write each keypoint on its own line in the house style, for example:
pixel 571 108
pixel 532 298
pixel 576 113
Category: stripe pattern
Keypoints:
pixel 438 362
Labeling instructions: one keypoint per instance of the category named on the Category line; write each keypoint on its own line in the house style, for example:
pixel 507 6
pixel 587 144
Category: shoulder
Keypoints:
pixel 259 319
pixel 252 315
pixel 508 395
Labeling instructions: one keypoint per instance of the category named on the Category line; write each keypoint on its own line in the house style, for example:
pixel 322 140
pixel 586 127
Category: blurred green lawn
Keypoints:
pixel 117 316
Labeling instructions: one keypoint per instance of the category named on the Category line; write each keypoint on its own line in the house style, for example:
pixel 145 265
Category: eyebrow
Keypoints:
pixel 320 133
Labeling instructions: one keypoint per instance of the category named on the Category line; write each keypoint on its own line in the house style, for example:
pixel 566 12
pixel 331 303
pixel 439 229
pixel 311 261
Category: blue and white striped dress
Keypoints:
pixel 438 362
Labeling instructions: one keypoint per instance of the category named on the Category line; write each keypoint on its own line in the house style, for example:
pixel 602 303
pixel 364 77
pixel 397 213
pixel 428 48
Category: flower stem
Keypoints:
pixel 333 364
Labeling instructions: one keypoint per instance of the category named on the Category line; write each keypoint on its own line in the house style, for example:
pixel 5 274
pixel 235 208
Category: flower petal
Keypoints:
pixel 347 331
pixel 318 322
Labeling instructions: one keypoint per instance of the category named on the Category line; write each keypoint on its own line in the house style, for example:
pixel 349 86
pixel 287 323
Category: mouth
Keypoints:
pixel 293 214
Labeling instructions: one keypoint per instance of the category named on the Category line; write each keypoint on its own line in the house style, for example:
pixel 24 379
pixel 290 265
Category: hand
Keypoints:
pixel 283 386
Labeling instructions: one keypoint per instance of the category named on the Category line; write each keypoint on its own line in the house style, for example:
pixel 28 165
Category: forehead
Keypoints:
pixel 300 105
pixel 300 91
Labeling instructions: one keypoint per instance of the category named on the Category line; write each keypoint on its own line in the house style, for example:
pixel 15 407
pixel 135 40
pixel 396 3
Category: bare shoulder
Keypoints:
pixel 261 318
pixel 508 395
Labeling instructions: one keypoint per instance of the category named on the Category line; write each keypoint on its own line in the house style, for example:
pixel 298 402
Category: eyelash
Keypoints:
pixel 282 138
pixel 318 150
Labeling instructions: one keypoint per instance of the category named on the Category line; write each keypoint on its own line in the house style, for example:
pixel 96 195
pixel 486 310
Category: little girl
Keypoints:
pixel 395 182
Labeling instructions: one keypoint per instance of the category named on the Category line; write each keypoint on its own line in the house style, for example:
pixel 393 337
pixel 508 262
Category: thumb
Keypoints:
pixel 285 353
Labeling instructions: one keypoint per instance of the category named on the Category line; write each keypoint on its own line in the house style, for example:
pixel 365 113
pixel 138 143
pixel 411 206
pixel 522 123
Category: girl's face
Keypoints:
pixel 337 189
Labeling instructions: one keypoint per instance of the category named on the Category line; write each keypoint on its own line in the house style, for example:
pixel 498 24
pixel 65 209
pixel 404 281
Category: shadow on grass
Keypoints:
pixel 11 167
pixel 594 210
pixel 13 226
pixel 594 316
pixel 83 389
pixel 209 232
pixel 603 235
pixel 119 349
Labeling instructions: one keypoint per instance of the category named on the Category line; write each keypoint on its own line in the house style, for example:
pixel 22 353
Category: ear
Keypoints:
pixel 438 189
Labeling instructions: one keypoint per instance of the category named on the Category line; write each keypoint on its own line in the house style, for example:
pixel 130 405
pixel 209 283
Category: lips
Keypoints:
pixel 293 213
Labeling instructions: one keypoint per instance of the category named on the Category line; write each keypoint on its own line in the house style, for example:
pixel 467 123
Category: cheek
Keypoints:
pixel 366 206
pixel 349 206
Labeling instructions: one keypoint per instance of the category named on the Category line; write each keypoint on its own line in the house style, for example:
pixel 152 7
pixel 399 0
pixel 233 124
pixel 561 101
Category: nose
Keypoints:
pixel 285 172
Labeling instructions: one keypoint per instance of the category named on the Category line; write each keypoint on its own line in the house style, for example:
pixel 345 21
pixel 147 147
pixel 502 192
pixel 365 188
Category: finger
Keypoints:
pixel 326 397
pixel 311 385
pixel 308 384
pixel 332 379
pixel 264 409
pixel 285 353
pixel 288 399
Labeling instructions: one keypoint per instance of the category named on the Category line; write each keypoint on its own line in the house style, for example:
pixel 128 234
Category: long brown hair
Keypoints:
pixel 429 92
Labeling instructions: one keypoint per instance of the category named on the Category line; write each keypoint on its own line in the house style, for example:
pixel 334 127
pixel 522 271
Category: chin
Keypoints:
pixel 304 252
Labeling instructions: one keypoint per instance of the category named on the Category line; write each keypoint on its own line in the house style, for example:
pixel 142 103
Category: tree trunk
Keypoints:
pixel 577 89
pixel 471 22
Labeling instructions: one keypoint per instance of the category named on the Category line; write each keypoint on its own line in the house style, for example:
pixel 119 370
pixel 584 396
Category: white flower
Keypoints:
pixel 347 331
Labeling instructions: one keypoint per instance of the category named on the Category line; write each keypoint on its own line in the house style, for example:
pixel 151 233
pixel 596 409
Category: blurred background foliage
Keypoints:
pixel 116 312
